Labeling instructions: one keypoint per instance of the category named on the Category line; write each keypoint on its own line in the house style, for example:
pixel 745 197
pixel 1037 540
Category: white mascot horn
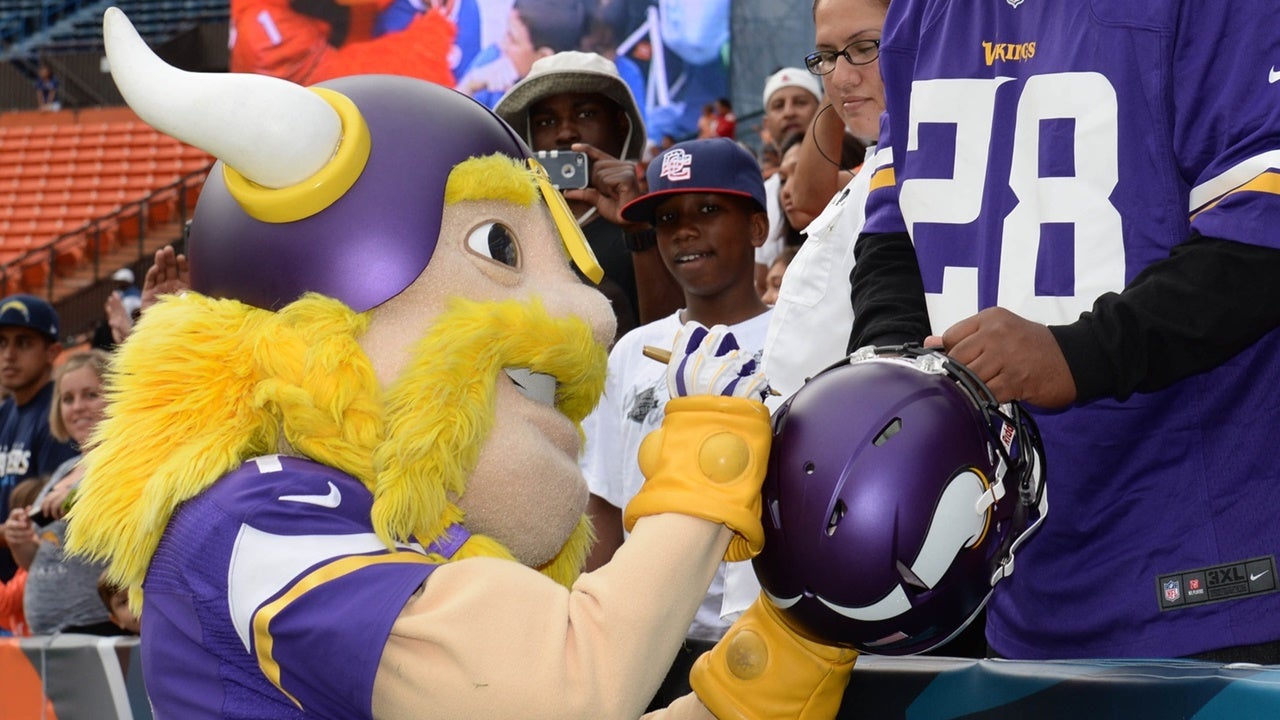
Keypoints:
pixel 273 132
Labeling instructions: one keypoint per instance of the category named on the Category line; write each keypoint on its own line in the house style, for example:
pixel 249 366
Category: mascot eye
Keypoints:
pixel 496 242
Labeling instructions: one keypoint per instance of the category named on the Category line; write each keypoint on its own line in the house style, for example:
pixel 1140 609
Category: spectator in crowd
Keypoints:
pixel 789 224
pixel 769 160
pixel 168 274
pixel 28 346
pixel 813 304
pixel 791 97
pixel 706 203
pixel 726 121
pixel 116 600
pixel 61 593
pixel 1118 275
pixel 535 29
pixel 776 271
pixel 130 295
pixel 783 232
pixel 576 101
pixel 12 620
pixel 707 122
pixel 48 90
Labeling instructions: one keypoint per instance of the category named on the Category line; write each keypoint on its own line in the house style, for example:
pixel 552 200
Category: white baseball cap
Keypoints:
pixel 792 77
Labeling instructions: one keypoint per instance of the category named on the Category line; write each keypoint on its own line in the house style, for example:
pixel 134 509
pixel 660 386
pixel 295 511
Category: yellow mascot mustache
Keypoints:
pixel 205 384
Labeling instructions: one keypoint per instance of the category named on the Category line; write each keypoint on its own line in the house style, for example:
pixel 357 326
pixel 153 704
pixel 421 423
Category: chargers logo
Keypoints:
pixel 16 305
pixel 676 164
pixel 1008 52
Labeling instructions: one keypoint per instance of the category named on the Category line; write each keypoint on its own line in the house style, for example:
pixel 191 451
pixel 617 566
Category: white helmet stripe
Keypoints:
pixel 273 132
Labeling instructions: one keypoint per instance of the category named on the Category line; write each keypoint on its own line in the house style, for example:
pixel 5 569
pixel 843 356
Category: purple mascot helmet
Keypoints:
pixel 897 492
pixel 336 189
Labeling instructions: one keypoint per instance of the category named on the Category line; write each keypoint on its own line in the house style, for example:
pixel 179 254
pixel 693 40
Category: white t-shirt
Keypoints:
pixel 810 326
pixel 635 397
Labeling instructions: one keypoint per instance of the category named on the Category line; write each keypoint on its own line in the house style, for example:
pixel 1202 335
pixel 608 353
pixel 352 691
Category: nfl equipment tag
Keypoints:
pixel 1215 584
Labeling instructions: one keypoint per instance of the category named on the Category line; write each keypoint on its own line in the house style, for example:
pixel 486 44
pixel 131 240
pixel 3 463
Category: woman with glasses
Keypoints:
pixel 813 302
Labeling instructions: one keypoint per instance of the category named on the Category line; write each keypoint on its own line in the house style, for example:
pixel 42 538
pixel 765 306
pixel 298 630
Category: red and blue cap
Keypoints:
pixel 716 165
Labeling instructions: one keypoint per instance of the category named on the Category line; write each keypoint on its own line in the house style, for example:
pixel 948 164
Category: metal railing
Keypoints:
pixel 96 235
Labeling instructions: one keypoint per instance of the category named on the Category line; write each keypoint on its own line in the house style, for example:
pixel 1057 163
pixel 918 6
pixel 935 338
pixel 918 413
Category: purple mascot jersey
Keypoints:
pixel 293 566
pixel 1043 154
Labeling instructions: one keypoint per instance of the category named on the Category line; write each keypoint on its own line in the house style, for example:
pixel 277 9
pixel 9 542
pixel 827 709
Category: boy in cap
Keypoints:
pixel 28 347
pixel 706 204
pixel 578 101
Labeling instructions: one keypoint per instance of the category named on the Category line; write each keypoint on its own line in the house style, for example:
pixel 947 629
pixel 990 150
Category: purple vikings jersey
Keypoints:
pixel 269 596
pixel 1043 153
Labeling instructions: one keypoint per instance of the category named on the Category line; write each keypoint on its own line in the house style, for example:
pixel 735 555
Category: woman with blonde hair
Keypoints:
pixel 62 592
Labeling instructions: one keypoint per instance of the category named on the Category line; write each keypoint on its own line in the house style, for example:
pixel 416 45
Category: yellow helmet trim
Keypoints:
pixel 304 199
pixel 570 234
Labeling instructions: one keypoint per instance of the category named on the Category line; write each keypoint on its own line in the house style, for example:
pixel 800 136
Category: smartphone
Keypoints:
pixel 566 168
pixel 39 519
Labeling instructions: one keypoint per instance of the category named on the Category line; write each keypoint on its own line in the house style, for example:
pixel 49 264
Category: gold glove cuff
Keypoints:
pixel 761 669
pixel 707 460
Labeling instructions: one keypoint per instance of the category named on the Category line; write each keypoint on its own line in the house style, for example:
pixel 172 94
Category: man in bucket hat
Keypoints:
pixel 577 101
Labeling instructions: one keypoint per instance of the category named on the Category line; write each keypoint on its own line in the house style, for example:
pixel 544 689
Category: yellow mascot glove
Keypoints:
pixel 708 458
pixel 763 669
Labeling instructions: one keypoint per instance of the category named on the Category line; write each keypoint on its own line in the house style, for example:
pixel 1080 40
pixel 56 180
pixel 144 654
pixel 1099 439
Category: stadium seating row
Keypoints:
pixel 70 189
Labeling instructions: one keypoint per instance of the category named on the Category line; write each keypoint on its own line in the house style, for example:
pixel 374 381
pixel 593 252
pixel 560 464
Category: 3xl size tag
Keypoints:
pixel 1215 584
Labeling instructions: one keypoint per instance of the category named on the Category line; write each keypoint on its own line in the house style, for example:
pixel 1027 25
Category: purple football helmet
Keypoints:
pixel 896 494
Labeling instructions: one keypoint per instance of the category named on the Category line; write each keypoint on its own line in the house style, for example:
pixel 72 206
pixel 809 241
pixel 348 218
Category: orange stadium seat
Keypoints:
pixel 80 185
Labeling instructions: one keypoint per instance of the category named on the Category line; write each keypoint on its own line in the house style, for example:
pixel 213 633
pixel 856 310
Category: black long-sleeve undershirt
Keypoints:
pixel 1209 300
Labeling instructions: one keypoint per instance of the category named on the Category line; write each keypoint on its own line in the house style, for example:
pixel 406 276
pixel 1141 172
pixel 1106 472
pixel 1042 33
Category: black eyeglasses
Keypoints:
pixel 858 52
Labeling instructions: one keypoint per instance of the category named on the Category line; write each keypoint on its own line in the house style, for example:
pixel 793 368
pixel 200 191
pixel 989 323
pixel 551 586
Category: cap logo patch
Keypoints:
pixel 19 306
pixel 676 164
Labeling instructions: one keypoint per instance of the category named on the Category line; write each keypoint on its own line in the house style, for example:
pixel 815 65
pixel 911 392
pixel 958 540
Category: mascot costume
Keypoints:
pixel 339 475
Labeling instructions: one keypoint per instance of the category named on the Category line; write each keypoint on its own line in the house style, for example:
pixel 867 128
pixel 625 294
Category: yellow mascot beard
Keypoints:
pixel 203 385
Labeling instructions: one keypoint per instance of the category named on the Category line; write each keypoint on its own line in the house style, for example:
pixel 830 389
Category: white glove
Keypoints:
pixel 708 362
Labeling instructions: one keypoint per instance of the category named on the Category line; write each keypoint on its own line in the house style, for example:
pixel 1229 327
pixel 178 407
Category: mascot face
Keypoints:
pixel 477 349
pixel 525 490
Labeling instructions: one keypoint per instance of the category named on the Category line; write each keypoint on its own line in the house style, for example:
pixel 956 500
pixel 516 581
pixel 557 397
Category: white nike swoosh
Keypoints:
pixel 332 500
pixel 1273 76
pixel 1253 577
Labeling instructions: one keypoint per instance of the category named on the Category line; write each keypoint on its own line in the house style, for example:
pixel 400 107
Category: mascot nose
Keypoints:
pixel 583 300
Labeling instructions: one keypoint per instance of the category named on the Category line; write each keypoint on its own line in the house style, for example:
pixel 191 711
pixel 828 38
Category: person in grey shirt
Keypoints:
pixel 62 592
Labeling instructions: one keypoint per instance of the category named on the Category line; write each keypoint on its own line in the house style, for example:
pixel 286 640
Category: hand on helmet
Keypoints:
pixel 708 362
pixel 1017 359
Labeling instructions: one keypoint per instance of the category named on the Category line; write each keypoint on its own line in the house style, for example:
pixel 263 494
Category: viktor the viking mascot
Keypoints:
pixel 340 474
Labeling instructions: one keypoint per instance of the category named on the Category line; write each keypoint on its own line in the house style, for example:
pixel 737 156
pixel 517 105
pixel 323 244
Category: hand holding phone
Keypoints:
pixel 567 169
